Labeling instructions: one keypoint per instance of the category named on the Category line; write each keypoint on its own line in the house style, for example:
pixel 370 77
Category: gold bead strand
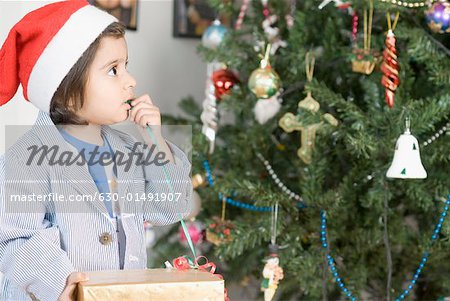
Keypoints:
pixel 407 4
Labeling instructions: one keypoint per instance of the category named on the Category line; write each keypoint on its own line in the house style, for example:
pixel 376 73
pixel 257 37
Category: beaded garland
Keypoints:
pixel 408 4
pixel 235 203
pixel 295 196
pixel 437 134
pixel 277 181
pixel 337 278
pixel 283 187
pixel 228 199
pixel 300 204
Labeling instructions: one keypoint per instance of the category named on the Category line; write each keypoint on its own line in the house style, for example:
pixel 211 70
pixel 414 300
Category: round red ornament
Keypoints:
pixel 223 80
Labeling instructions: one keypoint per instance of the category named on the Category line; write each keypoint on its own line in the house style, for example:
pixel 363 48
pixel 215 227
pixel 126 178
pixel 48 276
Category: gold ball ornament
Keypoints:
pixel 199 180
pixel 264 82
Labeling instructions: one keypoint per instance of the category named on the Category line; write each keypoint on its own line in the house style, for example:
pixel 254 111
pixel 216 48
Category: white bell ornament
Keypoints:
pixel 407 163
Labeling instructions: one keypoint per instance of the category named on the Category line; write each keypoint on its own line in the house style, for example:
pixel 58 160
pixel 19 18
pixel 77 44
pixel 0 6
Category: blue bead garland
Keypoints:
pixel 330 259
pixel 323 233
pixel 333 268
pixel 230 200
pixel 208 172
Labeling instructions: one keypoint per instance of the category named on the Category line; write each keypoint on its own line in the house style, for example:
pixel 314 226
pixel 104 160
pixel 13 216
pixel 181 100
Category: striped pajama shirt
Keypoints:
pixel 42 242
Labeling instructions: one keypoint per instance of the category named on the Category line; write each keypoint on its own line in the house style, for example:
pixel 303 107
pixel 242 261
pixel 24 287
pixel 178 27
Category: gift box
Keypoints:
pixel 152 284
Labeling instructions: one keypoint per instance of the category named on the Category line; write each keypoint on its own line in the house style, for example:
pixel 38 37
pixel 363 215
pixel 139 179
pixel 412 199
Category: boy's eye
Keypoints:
pixel 113 71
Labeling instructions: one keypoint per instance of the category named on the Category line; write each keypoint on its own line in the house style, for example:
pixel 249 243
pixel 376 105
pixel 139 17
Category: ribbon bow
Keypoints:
pixel 186 263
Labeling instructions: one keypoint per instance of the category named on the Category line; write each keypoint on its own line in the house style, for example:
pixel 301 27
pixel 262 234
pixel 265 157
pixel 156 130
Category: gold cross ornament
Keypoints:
pixel 290 122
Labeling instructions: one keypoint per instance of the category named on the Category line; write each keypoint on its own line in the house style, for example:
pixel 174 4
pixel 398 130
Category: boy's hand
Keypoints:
pixel 144 112
pixel 68 293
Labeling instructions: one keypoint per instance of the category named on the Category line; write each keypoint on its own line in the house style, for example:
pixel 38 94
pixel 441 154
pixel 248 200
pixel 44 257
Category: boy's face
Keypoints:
pixel 109 84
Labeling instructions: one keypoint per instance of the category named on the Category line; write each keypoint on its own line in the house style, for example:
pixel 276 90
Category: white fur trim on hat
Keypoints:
pixel 63 51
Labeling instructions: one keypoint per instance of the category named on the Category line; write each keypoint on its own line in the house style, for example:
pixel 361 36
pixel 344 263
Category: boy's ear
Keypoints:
pixel 72 105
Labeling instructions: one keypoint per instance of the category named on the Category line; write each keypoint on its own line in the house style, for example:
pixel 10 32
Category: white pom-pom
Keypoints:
pixel 267 108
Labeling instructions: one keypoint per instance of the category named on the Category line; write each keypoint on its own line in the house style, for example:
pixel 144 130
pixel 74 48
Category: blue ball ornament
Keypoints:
pixel 438 17
pixel 213 35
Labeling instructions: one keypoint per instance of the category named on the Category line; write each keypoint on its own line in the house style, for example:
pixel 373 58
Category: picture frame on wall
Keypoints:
pixel 192 17
pixel 124 10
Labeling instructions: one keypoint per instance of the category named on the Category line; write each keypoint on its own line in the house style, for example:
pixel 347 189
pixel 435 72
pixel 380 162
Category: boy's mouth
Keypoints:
pixel 129 102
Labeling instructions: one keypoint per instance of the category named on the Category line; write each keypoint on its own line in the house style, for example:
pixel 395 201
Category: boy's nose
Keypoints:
pixel 130 82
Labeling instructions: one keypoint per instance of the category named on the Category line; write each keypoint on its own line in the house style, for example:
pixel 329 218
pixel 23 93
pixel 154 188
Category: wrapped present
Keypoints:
pixel 152 284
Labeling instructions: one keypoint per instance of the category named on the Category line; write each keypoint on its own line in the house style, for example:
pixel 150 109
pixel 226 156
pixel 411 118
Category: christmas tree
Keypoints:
pixel 296 148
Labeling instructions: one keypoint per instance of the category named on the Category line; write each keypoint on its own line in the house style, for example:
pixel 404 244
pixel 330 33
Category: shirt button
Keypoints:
pixel 105 238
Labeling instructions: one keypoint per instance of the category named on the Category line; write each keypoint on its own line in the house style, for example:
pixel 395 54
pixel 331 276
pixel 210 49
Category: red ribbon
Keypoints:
pixel 182 263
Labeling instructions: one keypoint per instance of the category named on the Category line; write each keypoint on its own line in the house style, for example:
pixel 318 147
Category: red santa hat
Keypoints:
pixel 42 48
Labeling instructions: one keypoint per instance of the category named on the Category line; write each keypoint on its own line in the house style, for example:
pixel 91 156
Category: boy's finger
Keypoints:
pixel 143 98
pixel 146 111
pixel 142 108
pixel 144 105
pixel 77 277
pixel 149 119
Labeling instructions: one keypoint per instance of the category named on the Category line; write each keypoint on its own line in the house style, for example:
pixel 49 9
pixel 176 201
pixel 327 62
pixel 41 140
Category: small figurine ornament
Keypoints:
pixel 272 274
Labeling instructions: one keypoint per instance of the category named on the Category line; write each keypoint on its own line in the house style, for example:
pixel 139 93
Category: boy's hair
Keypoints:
pixel 69 97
